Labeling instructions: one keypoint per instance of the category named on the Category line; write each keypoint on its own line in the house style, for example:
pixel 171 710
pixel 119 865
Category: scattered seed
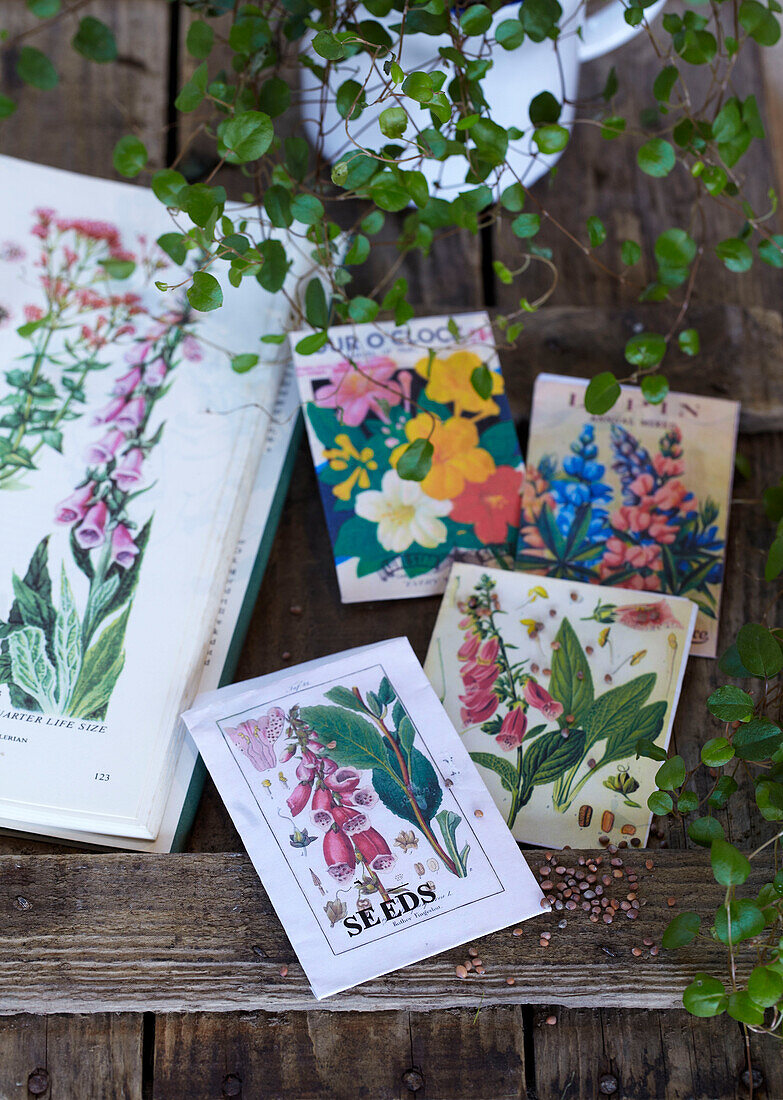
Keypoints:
pixel 551 1020
pixel 283 971
pixel 477 962
pixel 632 914
pixel 510 981
pixel 607 679
pixel 546 935
pixel 547 671
pixel 637 951
pixel 517 932
pixel 295 609
pixel 478 813
pixel 547 885
pixel 285 655
pixel 543 943
pixel 473 952
pixel 480 970
pixel 649 864
pixel 560 870
pixel 654 950
pixel 608 918
pixel 603 841
pixel 636 842
pixel 671 902
pixel 648 942
pixel 588 650
pixel 461 972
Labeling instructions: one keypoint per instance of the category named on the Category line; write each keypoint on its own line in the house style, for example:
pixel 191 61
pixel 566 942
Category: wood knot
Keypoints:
pixel 232 1085
pixel 38 1082
pixel 608 1084
pixel 413 1079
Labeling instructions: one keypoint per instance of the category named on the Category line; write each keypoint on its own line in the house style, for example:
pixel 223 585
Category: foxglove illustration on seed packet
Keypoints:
pixel 552 684
pixel 368 395
pixel 372 832
pixel 638 498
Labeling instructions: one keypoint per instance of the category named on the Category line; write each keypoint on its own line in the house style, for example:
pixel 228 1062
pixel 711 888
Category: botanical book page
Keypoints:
pixel 551 684
pixel 638 498
pixel 127 444
pixel 369 826
pixel 370 393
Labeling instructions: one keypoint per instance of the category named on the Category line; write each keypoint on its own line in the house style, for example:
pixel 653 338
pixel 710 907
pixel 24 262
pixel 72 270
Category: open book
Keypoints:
pixel 138 474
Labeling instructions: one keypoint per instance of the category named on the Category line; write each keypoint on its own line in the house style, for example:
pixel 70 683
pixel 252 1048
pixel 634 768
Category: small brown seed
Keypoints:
pixel 477 961
pixel 629 830
pixel 295 609
pixel 607 918
pixel 654 950
pixel 649 864
pixel 560 870
pixel 637 951
pixel 603 841
pixel 510 981
pixel 283 971
pixel 551 1020
pixel 607 821
pixel 632 914
pixel 517 932
pixel 480 970
pixel 647 941
pixel 478 813
pixel 616 862
pixel 547 885
pixel 617 873
pixel 543 943
pixel 546 935
pixel 594 918
pixel 285 655
pixel 461 972
pixel 671 902
pixel 473 952
pixel 636 842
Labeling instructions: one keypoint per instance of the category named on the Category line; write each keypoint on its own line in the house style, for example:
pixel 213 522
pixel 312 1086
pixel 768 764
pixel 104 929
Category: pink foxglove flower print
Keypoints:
pixel 540 699
pixel 123 549
pixel 105 449
pixel 131 415
pixel 109 412
pixel 92 530
pixel 155 373
pixel 127 473
pixel 339 855
pixel 512 729
pixel 75 506
pixel 127 383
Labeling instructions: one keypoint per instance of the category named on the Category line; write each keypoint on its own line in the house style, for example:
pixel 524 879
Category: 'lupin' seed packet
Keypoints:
pixel 638 498
pixel 551 684
pixel 369 394
pixel 372 832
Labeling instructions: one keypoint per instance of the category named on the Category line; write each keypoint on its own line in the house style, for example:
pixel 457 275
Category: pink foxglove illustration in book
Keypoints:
pixel 60 654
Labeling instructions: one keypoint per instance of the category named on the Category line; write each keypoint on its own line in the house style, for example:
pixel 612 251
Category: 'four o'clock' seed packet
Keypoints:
pixel 374 836
pixel 638 498
pixel 551 685
pixel 369 393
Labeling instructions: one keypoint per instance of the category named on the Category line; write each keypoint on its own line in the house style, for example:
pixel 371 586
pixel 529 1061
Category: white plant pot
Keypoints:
pixel 516 77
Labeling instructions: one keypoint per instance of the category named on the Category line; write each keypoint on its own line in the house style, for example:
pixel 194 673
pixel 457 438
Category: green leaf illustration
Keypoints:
pixel 616 710
pixel 424 787
pixel 344 697
pixel 357 743
pixel 31 668
pixel 101 668
pixel 552 755
pixel 67 645
pixel 448 823
pixel 571 682
pixel 498 764
pixel 406 734
pixel 646 724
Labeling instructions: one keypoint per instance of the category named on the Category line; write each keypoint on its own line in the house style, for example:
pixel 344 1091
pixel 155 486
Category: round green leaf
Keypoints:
pixel 544 108
pixel 645 350
pixel 167 186
pixel 43 9
pixel 688 802
pixel 757 740
pixel 327 46
pixel 476 19
pixel 735 253
pixel 481 381
pixel 199 40
pixel 416 460
pixel 94 40
pixel 745 1010
pixel 510 34
pixel 307 209
pixel 716 752
pixel 350 99
pixel 275 266
pixel 362 309
pixel 245 137
pixel 630 253
pixel 277 203
pixel 729 866
pixel 731 704
pixel 316 306
pixel 175 246
pixel 205 293
pixel 771 251
pixel 35 68
pixel 656 157
pixel 596 231
pixel 703 830
pixel 130 156
pixel 309 345
pixel 660 803
pixel 765 986
pixel 759 652
pixel 681 931
pixel 705 997
pixel 419 86
pixel 550 139
pixel 671 773
pixel 675 248
pixel 601 394
pixel 526 225
pixel 688 341
pixel 7 106
pixel 654 388
pixel 759 22
pixel 243 363
pixel 393 122
pixel 274 98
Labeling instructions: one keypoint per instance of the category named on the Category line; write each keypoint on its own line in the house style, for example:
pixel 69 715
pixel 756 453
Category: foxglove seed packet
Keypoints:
pixel 638 498
pixel 375 839
pixel 551 684
pixel 369 394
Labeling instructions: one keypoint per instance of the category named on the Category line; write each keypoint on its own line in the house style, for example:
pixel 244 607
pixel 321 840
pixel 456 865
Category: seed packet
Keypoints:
pixel 638 498
pixel 375 839
pixel 552 684
pixel 367 395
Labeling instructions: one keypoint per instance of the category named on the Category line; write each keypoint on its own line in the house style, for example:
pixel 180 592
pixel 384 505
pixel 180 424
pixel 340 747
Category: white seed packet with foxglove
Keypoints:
pixel 369 826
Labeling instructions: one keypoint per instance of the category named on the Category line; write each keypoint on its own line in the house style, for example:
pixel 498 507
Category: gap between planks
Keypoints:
pixel 196 932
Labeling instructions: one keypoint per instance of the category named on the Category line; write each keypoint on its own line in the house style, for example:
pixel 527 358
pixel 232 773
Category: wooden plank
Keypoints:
pixel 63 1057
pixel 197 932
pixel 741 353
pixel 327 1056
pixel 76 125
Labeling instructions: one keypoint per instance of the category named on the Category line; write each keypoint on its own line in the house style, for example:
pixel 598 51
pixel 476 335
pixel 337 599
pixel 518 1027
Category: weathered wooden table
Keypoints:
pixel 129 977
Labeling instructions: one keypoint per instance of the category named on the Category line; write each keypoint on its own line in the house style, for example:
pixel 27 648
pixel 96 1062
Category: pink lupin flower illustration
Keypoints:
pixel 132 415
pixel 299 797
pixel 74 507
pixel 106 448
pixel 91 532
pixel 127 383
pixel 123 548
pixel 339 855
pixel 540 699
pixel 109 412
pixel 155 373
pixel 376 853
pixel 127 474
pixel 512 729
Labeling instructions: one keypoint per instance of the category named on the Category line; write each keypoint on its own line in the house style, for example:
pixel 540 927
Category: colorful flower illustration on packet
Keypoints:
pixel 549 722
pixel 61 657
pixel 366 415
pixel 661 538
pixel 354 753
